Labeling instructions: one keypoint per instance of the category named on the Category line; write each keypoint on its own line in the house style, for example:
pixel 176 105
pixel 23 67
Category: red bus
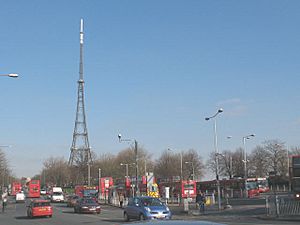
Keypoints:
pixel 188 189
pixel 234 188
pixel 86 191
pixel 252 187
pixel 185 188
pixel 263 185
pixel 104 185
pixel 16 187
pixel 295 175
pixel 34 189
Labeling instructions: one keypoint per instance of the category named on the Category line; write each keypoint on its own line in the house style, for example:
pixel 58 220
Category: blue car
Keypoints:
pixel 146 208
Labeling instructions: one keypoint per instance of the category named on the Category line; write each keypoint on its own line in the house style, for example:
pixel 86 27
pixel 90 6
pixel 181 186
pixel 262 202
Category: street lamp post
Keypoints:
pixel 180 195
pixel 216 152
pixel 99 183
pixel 13 75
pixel 192 168
pixel 245 161
pixel 89 174
pixel 288 169
pixel 136 163
pixel 126 165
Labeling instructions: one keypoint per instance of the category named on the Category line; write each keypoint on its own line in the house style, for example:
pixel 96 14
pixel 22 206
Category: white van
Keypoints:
pixel 57 195
pixel 20 197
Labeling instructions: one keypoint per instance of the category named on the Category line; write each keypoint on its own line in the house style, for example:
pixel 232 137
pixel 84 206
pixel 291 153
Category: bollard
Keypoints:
pixel 267 205
pixel 277 206
pixel 186 205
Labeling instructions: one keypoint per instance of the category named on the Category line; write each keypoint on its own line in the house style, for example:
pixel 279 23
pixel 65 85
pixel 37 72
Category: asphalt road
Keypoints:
pixel 62 215
pixel 15 214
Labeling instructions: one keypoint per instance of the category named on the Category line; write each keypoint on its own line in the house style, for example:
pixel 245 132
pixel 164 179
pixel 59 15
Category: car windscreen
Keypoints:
pixel 57 193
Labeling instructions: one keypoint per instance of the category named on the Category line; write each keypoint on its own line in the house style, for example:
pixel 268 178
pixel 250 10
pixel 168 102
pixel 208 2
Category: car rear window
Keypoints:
pixel 41 204
pixel 89 201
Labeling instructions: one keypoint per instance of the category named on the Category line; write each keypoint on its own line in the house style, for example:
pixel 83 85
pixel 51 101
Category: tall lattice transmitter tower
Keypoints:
pixel 80 156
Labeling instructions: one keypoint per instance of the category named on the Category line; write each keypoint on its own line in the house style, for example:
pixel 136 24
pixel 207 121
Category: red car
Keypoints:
pixel 39 207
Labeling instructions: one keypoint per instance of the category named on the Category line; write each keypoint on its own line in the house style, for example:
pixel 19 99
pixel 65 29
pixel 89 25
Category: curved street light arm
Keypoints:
pixel 218 112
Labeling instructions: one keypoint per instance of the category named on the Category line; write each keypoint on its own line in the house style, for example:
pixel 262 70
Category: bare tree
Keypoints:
pixel 5 171
pixel 237 163
pixel 110 164
pixel 277 159
pixel 211 163
pixel 226 163
pixel 169 165
pixel 259 162
pixel 165 165
pixel 56 171
pixel 191 159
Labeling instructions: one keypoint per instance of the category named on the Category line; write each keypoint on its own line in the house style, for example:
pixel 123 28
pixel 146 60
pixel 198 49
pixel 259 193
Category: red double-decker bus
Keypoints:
pixel 263 185
pixel 86 191
pixel 295 175
pixel 178 189
pixel 233 187
pixel 104 185
pixel 16 187
pixel 34 189
pixel 188 189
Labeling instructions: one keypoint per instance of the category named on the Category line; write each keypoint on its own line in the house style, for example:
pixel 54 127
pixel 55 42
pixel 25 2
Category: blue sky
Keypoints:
pixel 153 70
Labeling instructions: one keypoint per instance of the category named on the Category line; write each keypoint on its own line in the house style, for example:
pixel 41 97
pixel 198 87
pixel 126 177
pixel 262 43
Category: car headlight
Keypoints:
pixel 84 207
pixel 297 195
pixel 98 207
pixel 148 209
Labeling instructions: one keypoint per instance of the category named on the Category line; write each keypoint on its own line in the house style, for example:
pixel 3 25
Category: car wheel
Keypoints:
pixel 142 217
pixel 126 217
pixel 50 216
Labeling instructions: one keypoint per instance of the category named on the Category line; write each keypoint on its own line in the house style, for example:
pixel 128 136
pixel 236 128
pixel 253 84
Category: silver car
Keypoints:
pixel 146 208
pixel 179 222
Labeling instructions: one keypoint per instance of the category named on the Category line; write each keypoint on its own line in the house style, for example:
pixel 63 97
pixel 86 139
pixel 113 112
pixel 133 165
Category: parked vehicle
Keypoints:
pixel 20 197
pixel 146 208
pixel 87 205
pixel 38 208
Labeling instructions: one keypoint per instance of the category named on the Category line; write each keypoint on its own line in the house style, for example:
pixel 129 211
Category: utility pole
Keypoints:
pixel 136 192
pixel 245 161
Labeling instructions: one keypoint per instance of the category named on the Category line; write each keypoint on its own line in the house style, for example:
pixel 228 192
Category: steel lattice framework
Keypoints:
pixel 80 149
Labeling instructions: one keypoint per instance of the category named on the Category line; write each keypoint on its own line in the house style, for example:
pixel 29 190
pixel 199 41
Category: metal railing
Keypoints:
pixel 282 206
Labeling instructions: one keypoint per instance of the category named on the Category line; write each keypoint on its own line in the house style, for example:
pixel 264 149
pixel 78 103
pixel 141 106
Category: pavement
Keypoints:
pixel 234 212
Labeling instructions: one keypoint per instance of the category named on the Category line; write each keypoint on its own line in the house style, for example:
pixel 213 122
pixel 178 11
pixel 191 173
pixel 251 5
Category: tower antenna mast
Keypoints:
pixel 80 155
